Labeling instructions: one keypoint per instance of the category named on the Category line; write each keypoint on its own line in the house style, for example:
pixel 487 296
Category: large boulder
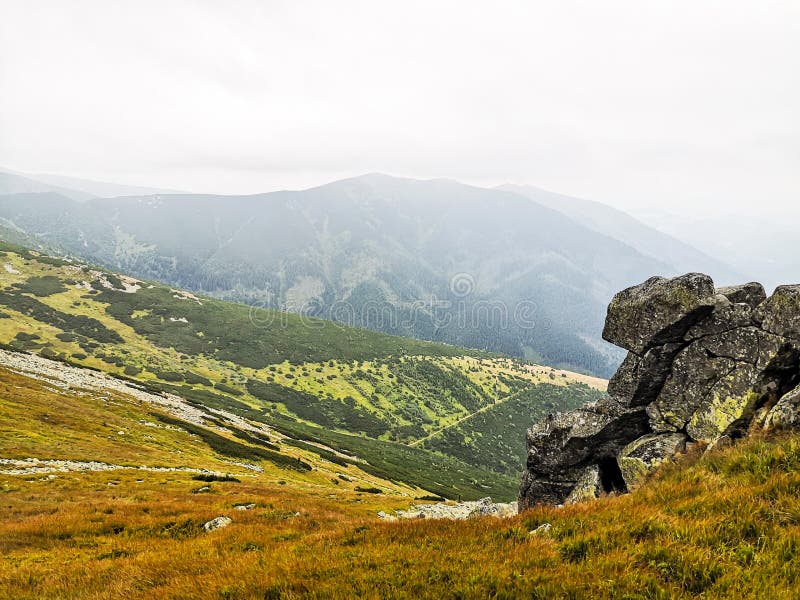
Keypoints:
pixel 658 311
pixel 639 379
pixel 730 401
pixel 565 440
pixel 588 486
pixel 693 374
pixel 553 488
pixel 780 313
pixel 704 365
pixel 571 456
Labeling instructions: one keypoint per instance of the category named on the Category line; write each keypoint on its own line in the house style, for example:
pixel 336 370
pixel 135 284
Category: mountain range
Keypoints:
pixel 165 462
pixel 514 270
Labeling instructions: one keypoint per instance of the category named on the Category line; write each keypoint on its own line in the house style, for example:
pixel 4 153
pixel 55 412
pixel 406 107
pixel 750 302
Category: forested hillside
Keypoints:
pixel 435 260
pixel 359 392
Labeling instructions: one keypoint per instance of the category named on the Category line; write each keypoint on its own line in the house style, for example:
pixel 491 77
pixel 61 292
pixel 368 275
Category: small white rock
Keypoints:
pixel 541 529
pixel 217 523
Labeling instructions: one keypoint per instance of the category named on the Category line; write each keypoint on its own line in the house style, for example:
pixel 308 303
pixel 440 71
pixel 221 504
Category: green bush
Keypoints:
pixel 232 449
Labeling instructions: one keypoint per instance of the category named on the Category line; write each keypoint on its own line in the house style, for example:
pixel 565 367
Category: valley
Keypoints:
pixel 514 271
pixel 722 525
pixel 162 444
pixel 430 415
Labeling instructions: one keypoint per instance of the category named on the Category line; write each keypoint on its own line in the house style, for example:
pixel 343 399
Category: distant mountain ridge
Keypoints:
pixel 626 228
pixel 13 183
pixel 437 259
pixel 71 187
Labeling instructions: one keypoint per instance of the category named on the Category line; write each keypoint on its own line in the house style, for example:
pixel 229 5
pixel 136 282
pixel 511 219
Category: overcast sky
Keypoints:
pixel 677 105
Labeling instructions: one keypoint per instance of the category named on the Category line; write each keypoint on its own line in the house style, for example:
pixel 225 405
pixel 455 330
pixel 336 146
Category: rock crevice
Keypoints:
pixel 705 365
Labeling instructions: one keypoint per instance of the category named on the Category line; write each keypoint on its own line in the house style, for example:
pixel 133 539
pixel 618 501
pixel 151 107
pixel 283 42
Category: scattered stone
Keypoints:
pixel 542 529
pixel 244 506
pixel 67 377
pixel 34 466
pixel 217 523
pixel 457 512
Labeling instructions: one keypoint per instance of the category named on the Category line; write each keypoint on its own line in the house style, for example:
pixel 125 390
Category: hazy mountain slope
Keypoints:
pixel 431 259
pixel 14 183
pixel 771 258
pixel 97 189
pixel 312 380
pixel 683 258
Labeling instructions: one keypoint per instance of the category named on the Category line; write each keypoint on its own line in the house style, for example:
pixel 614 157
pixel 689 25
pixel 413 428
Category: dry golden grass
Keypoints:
pixel 726 526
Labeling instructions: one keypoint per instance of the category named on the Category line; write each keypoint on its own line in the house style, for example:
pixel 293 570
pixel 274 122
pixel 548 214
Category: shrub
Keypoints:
pixel 210 477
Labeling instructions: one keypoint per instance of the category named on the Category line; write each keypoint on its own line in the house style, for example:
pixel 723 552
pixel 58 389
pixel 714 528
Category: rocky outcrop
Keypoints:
pixel 705 365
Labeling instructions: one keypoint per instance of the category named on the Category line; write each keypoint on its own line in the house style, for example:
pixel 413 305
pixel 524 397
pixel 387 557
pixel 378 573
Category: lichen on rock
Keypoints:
pixel 704 365
pixel 641 456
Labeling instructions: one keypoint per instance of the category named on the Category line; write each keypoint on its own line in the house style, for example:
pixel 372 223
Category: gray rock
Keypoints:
pixel 551 488
pixel 705 367
pixel 693 375
pixel 725 317
pixel 751 293
pixel 640 379
pixel 741 344
pixel 644 455
pixel 780 313
pixel 786 413
pixel 658 311
pixel 730 404
pixel 565 440
pixel 217 523
pixel 776 353
pixel 588 486
pixel 542 529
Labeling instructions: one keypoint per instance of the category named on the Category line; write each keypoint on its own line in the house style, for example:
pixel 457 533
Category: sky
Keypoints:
pixel 689 106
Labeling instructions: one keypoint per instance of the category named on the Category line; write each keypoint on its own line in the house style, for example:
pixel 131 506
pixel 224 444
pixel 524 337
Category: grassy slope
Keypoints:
pixel 490 438
pixel 42 421
pixel 275 366
pixel 727 525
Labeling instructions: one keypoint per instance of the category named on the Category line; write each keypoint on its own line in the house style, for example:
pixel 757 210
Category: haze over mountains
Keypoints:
pixel 514 270
pixel 770 255
pixel 71 187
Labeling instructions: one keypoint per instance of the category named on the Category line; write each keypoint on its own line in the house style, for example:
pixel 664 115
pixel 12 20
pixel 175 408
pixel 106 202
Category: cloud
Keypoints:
pixel 686 104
